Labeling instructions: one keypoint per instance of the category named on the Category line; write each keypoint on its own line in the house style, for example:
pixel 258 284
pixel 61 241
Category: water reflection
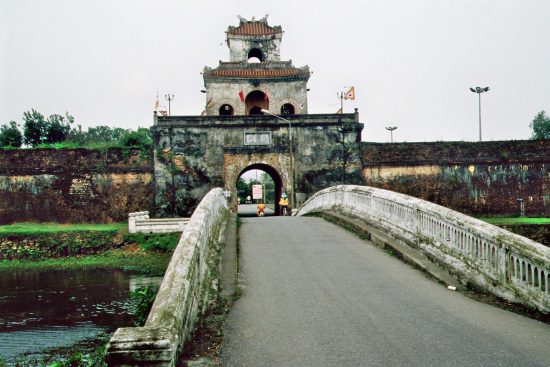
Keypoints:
pixel 44 309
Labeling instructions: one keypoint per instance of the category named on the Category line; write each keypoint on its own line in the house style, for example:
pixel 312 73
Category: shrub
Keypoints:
pixel 142 300
pixel 158 242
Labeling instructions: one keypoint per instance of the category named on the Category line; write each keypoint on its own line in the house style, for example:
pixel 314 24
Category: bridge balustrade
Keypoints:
pixel 187 290
pixel 510 266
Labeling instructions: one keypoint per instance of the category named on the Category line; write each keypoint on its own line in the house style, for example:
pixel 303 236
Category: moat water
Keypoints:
pixel 41 310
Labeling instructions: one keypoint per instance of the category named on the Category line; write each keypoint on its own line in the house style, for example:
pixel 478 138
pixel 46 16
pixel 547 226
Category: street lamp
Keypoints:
pixel 390 129
pixel 169 98
pixel 479 90
pixel 292 194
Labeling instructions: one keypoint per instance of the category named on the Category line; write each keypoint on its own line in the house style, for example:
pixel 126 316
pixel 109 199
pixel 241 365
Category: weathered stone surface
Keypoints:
pixel 510 266
pixel 188 289
pixel 237 86
pixel 73 185
pixel 139 222
pixel 484 178
pixel 196 153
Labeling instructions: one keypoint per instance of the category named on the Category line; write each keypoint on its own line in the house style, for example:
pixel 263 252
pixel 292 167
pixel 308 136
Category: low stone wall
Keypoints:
pixel 189 287
pixel 508 265
pixel 139 222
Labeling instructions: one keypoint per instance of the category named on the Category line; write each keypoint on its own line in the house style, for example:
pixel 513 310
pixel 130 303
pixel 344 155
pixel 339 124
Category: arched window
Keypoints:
pixel 257 53
pixel 287 109
pixel 226 110
pixel 255 101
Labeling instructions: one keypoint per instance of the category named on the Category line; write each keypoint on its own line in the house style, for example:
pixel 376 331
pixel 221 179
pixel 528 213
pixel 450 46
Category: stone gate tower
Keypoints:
pixel 255 78
pixel 302 152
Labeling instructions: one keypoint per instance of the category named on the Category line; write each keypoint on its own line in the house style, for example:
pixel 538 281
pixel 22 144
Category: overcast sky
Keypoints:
pixel 411 62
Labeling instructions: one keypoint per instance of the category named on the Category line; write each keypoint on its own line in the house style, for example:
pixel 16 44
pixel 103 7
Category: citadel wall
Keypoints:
pixel 74 185
pixel 481 178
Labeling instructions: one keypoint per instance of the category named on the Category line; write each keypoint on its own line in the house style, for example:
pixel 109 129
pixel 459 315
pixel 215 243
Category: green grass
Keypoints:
pixel 152 263
pixel 498 221
pixel 31 228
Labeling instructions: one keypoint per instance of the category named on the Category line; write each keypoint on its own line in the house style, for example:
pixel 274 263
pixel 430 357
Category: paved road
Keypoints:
pixel 315 295
pixel 249 210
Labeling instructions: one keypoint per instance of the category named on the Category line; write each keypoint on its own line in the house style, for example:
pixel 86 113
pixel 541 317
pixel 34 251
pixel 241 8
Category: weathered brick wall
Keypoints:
pixel 74 185
pixel 483 178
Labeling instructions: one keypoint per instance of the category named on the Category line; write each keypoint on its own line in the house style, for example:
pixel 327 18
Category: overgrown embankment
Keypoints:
pixel 35 246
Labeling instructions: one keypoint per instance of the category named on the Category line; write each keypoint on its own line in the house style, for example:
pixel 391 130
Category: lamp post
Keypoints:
pixel 169 98
pixel 292 194
pixel 479 90
pixel 390 129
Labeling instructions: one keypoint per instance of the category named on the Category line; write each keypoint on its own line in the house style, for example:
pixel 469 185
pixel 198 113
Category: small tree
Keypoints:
pixel 34 128
pixel 10 136
pixel 58 128
pixel 541 126
pixel 142 138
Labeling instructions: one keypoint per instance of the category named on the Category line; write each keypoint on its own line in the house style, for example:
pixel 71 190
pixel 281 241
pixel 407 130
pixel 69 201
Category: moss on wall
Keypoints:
pixel 74 185
pixel 484 178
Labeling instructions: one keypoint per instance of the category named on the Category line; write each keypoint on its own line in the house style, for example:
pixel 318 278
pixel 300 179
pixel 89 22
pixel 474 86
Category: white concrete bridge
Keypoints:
pixel 316 295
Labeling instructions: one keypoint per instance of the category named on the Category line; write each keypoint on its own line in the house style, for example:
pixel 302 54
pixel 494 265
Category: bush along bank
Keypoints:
pixel 54 245
pixel 57 245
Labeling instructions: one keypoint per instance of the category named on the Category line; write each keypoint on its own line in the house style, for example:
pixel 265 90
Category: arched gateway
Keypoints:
pixel 271 171
pixel 304 152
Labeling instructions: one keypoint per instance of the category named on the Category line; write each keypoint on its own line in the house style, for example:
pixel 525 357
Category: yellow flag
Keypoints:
pixel 350 94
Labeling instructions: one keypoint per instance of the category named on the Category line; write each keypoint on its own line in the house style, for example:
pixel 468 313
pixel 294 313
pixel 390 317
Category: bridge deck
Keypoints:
pixel 315 295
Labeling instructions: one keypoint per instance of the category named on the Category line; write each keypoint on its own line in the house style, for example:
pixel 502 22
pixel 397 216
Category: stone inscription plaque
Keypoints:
pixel 257 138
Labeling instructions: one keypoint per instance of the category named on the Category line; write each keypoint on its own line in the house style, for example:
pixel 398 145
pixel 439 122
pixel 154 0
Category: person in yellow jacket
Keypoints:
pixel 283 204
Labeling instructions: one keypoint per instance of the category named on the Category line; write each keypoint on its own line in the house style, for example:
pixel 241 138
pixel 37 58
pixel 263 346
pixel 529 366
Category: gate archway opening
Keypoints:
pixel 272 188
pixel 256 101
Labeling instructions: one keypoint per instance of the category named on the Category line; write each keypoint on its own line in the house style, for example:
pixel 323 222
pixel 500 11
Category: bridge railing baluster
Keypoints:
pixel 510 265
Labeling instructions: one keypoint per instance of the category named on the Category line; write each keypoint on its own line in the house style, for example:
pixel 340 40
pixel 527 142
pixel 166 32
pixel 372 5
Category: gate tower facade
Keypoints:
pixel 234 133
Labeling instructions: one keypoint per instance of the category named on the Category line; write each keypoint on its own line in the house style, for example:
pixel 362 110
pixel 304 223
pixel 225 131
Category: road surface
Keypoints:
pixel 249 210
pixel 316 295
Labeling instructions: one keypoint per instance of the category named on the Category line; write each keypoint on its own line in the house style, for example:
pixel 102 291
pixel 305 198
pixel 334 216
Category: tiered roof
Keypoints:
pixel 254 28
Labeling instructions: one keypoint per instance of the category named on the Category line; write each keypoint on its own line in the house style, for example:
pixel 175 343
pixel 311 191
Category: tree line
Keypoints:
pixel 59 131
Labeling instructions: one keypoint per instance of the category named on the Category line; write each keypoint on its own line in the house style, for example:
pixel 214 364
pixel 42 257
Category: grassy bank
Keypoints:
pixel 130 260
pixel 34 228
pixel 537 229
pixel 32 246
pixel 501 221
